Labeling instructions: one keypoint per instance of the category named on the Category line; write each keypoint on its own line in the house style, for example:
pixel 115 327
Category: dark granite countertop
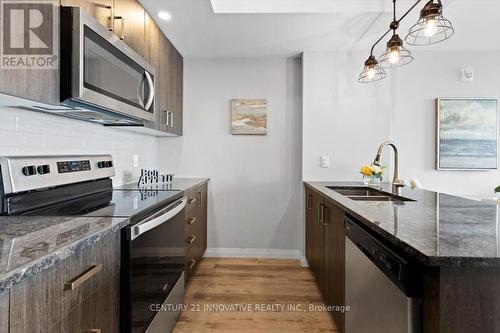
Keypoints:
pixel 437 229
pixel 29 245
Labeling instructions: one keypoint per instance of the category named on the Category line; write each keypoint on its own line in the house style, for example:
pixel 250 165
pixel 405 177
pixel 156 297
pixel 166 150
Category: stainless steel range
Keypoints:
pixel 153 249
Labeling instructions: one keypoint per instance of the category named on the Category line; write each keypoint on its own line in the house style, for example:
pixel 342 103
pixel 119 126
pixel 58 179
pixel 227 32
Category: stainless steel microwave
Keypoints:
pixel 101 77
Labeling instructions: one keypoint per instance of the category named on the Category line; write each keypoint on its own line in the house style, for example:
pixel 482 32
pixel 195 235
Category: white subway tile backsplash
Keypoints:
pixel 25 132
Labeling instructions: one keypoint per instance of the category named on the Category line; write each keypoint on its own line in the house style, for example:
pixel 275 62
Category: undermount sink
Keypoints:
pixel 359 193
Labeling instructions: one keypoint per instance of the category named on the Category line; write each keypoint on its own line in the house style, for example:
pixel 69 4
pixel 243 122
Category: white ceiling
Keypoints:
pixel 275 28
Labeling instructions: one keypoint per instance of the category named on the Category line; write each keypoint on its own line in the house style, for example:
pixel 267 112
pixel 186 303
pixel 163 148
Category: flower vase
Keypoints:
pixel 372 180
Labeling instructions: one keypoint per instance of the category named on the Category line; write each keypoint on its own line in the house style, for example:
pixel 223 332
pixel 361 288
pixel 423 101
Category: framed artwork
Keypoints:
pixel 466 133
pixel 249 116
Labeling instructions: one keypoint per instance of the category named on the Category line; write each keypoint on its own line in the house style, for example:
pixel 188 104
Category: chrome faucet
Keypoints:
pixel 378 162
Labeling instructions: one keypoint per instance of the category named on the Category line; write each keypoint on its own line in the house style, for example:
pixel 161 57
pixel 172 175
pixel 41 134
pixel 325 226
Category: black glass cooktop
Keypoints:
pixel 127 204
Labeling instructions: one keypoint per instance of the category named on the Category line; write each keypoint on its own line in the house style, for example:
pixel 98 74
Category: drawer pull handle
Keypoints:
pixel 191 239
pixel 191 265
pixel 89 273
pixel 94 330
pixel 192 200
pixel 191 220
pixel 198 195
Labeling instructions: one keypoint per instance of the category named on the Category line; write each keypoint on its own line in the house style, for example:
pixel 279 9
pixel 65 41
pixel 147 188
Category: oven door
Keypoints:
pixel 153 270
pixel 100 70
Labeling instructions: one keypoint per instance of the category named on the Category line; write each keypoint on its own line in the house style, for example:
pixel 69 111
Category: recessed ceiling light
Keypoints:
pixel 165 16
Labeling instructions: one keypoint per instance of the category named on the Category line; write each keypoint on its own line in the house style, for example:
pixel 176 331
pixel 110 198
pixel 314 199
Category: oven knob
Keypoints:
pixel 29 170
pixel 101 165
pixel 109 164
pixel 43 169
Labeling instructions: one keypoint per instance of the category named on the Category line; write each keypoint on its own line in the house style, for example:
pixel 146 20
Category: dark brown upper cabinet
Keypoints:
pixel 128 20
pixel 129 24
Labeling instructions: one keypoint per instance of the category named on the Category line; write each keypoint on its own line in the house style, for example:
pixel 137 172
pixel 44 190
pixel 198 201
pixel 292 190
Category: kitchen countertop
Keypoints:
pixel 437 229
pixel 29 245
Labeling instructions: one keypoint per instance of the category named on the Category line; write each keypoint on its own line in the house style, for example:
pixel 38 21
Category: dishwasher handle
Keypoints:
pixel 390 263
pixel 152 223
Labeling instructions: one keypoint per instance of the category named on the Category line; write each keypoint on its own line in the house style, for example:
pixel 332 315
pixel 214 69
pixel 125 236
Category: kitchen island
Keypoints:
pixel 453 241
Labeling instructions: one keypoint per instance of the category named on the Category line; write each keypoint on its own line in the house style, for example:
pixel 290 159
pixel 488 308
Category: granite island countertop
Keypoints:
pixel 29 245
pixel 437 229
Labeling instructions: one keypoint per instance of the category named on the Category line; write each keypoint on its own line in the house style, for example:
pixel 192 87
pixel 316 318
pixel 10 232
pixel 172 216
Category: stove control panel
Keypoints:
pixel 27 173
pixel 73 166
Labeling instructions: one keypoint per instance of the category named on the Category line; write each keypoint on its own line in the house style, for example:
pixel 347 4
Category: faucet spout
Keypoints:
pixel 396 181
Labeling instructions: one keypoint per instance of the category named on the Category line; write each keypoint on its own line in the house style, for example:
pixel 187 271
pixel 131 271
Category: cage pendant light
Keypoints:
pixel 432 27
pixel 396 55
pixel 372 71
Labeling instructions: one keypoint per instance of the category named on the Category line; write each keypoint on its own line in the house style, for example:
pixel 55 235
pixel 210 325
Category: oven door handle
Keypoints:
pixel 147 225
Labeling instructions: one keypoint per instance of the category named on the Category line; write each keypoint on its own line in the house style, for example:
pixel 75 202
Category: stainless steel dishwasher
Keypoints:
pixel 381 286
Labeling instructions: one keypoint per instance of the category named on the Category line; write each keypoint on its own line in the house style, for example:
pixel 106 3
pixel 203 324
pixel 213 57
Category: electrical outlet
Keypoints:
pixel 325 161
pixel 136 160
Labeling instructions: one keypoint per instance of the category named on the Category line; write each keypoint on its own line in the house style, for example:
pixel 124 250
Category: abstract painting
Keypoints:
pixel 249 116
pixel 467 133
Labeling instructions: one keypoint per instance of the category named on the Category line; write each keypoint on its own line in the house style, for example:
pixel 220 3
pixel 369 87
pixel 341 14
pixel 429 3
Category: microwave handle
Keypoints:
pixel 151 91
pixel 147 225
pixel 140 93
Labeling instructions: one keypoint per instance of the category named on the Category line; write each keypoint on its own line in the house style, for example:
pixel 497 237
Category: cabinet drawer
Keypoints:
pixel 48 297
pixel 89 270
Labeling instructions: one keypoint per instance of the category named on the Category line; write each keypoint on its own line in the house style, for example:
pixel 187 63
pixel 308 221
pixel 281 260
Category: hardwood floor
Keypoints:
pixel 253 295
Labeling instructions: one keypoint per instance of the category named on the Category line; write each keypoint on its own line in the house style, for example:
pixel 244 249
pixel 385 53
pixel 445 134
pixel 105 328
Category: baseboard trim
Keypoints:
pixel 255 253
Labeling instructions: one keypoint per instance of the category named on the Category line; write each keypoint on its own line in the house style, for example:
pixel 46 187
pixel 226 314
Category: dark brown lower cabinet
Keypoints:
pixel 196 228
pixel 334 261
pixel 78 294
pixel 325 250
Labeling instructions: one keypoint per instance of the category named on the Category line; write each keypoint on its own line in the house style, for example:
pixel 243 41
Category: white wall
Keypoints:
pixel 30 133
pixel 255 190
pixel 349 120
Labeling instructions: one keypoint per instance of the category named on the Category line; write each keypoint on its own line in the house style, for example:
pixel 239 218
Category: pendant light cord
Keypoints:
pixel 397 21
pixel 394 10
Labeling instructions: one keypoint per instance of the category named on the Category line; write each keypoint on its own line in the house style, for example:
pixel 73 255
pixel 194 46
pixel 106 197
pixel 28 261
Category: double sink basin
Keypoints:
pixel 359 193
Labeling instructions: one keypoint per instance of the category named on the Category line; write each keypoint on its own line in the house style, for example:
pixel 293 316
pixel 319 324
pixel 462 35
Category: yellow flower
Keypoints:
pixel 366 170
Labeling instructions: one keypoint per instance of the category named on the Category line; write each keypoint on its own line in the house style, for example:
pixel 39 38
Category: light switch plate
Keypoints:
pixel 325 161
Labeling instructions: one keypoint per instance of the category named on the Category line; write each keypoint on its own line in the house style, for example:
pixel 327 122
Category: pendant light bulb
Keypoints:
pixel 370 74
pixel 430 27
pixel 394 56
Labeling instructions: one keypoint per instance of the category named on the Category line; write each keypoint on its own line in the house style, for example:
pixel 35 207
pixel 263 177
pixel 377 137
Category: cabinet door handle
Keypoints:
pixel 191 239
pixel 168 117
pixel 94 330
pixel 321 213
pixel 326 215
pixel 110 27
pixel 191 263
pixel 171 119
pixel 309 201
pixel 192 200
pixel 198 194
pixel 191 220
pixel 122 26
pixel 80 279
